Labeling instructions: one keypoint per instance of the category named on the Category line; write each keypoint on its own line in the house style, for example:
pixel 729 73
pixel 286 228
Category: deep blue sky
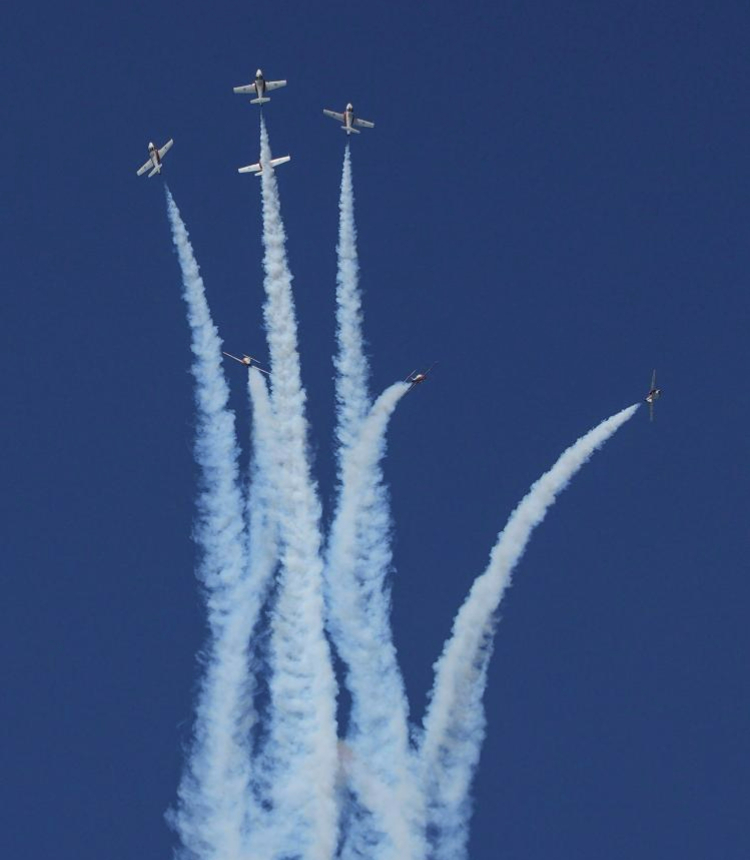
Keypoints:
pixel 554 201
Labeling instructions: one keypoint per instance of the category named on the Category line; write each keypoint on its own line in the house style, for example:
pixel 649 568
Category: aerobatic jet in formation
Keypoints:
pixel 247 360
pixel 653 395
pixel 349 119
pixel 416 378
pixel 260 86
pixel 154 158
pixel 257 169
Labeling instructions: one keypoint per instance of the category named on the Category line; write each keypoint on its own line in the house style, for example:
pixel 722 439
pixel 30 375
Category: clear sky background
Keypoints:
pixel 553 202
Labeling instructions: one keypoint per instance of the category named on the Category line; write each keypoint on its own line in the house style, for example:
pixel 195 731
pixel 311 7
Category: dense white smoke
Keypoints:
pixel 212 812
pixel 454 723
pixel 388 820
pixel 382 771
pixel 285 787
pixel 352 371
pixel 302 753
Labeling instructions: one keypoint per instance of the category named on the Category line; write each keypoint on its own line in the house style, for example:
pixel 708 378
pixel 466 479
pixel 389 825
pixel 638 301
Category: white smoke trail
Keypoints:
pixel 262 554
pixel 211 816
pixel 303 749
pixel 381 771
pixel 381 768
pixel 454 723
pixel 351 364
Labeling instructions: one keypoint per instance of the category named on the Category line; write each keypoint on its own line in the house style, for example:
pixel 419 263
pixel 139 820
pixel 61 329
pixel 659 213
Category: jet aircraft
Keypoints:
pixel 257 169
pixel 247 360
pixel 653 395
pixel 154 158
pixel 260 86
pixel 349 119
pixel 416 378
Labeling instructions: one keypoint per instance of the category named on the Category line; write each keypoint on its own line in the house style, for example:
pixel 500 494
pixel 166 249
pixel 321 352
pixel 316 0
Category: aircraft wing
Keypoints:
pixel 248 88
pixel 251 168
pixel 334 115
pixel 274 85
pixel 275 162
pixel 364 123
pixel 142 170
pixel 165 149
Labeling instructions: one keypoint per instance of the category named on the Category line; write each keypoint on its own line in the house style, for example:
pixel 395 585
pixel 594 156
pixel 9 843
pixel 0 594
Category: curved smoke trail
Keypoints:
pixel 381 769
pixel 454 723
pixel 211 816
pixel 381 773
pixel 303 749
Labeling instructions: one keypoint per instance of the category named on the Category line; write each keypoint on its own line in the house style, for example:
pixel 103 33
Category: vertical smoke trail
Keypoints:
pixel 381 767
pixel 454 723
pixel 380 770
pixel 351 364
pixel 262 543
pixel 211 813
pixel 303 750
pixel 262 558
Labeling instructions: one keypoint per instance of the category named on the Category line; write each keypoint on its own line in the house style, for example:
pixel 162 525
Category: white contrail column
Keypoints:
pixel 454 723
pixel 303 751
pixel 211 816
pixel 352 370
pixel 262 554
pixel 382 767
pixel 262 529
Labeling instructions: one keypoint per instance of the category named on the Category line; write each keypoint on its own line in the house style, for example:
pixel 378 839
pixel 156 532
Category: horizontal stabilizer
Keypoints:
pixel 349 130
pixel 157 169
pixel 259 101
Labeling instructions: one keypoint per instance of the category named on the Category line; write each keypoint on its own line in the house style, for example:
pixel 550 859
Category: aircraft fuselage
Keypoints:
pixel 349 119
pixel 153 154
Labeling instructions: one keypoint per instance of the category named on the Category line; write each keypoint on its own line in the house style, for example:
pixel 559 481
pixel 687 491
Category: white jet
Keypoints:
pixel 260 86
pixel 154 158
pixel 349 119
pixel 257 169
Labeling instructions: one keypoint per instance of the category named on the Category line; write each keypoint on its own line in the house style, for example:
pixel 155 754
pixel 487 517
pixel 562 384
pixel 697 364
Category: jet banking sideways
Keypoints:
pixel 260 86
pixel 416 378
pixel 653 395
pixel 348 119
pixel 154 158
pixel 247 360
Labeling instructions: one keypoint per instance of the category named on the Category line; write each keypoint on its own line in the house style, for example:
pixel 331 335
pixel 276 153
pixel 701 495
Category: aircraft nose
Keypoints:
pixel 259 73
